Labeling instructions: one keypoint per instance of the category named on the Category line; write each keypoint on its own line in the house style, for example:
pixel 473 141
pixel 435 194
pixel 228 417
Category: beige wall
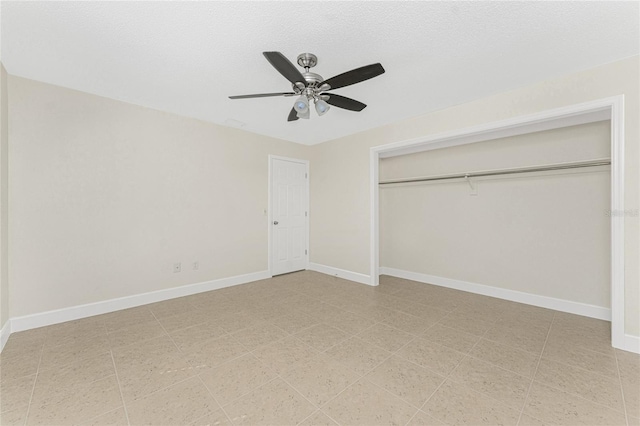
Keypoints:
pixel 543 233
pixel 340 168
pixel 106 196
pixel 4 197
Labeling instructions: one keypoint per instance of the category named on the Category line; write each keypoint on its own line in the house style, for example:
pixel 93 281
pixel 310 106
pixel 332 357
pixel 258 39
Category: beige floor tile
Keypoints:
pixel 238 321
pixel 386 337
pixel 526 339
pixel 217 418
pixel 60 355
pixel 503 385
pixel 364 403
pixel 553 406
pixel 629 367
pixel 16 393
pixel 140 351
pixel 182 403
pixel 16 417
pixel 211 353
pixel 135 333
pixel 428 314
pixel 634 421
pixel 433 356
pixel 21 347
pixel 142 376
pixel 406 380
pixel 481 308
pixel 521 362
pixel 231 380
pixel 193 336
pixel 631 397
pixel 457 404
pixel 358 355
pixel 183 320
pixel 450 337
pixel 318 419
pixel 22 338
pixel 591 386
pixel 467 322
pixel 70 331
pixel 585 340
pixel 114 321
pixel 77 404
pixel 321 337
pixel 274 403
pixel 526 420
pixel 596 362
pixel 116 417
pixel 525 315
pixel 170 307
pixel 405 322
pixel 79 373
pixel 578 323
pixel 19 366
pixel 323 311
pixel 320 378
pixel 349 322
pixel 294 322
pixel 259 335
pixel 211 334
pixel 423 419
pixel 284 354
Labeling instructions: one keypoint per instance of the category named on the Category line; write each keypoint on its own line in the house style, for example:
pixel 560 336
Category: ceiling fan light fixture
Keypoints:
pixel 301 105
pixel 322 107
pixel 306 114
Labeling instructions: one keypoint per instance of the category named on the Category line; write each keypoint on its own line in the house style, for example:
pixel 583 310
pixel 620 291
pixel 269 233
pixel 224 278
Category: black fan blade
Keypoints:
pixel 284 67
pixel 293 115
pixel 355 76
pixel 261 95
pixel 344 102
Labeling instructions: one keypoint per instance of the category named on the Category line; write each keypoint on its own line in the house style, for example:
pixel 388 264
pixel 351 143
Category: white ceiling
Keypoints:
pixel 187 57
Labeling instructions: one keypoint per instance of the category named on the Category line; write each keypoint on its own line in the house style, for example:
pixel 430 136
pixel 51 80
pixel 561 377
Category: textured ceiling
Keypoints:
pixel 187 57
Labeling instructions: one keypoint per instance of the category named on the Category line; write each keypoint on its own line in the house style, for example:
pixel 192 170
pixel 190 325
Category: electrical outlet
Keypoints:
pixel 177 267
pixel 196 265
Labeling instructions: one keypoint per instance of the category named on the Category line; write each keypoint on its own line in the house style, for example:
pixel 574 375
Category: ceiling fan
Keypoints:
pixel 310 86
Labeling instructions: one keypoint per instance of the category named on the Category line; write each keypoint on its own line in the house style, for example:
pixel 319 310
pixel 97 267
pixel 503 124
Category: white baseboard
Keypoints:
pixel 42 319
pixel 502 293
pixel 5 331
pixel 341 273
pixel 631 343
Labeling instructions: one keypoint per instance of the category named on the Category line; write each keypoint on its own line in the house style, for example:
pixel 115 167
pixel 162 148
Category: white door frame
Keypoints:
pixel 609 108
pixel 270 208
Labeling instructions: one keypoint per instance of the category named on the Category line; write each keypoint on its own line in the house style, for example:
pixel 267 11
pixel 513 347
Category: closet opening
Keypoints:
pixel 526 215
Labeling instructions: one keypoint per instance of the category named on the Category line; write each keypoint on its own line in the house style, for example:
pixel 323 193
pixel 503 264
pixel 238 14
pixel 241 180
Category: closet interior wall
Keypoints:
pixel 543 233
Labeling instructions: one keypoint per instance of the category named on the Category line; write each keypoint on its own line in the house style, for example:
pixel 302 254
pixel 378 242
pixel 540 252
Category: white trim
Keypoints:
pixel 631 343
pixel 4 334
pixel 42 319
pixel 340 273
pixel 269 207
pixel 617 223
pixel 374 171
pixel 554 118
pixel 506 294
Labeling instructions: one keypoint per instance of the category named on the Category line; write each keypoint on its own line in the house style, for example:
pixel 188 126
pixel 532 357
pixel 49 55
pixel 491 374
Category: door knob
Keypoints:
pixel 275 222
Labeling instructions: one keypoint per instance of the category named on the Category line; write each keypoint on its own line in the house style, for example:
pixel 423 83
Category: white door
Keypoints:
pixel 289 216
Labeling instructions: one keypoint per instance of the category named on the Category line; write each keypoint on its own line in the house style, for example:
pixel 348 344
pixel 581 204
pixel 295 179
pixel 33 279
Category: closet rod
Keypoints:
pixel 550 167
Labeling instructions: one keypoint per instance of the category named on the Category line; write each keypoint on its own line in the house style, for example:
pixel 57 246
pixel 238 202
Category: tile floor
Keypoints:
pixel 311 349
